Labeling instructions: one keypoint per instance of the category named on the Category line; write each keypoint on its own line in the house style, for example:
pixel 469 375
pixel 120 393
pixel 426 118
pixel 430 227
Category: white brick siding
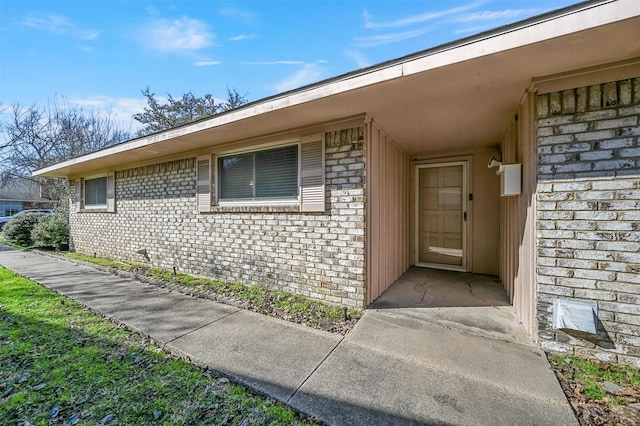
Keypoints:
pixel 316 255
pixel 588 214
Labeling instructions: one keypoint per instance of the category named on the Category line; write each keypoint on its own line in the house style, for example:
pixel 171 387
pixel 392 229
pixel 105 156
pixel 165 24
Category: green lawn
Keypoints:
pixel 61 364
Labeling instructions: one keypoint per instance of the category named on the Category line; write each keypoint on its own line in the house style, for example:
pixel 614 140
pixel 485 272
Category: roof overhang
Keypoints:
pixel 458 96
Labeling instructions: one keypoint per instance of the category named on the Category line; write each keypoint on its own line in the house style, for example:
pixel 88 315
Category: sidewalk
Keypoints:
pixel 392 368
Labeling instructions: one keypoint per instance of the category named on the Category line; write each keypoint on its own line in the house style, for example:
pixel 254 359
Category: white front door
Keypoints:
pixel 441 215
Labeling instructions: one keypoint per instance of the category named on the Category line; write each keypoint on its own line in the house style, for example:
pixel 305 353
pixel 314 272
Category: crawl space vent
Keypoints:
pixel 572 315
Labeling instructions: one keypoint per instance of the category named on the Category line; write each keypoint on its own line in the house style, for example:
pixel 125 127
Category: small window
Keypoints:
pixel 95 192
pixel 9 208
pixel 270 174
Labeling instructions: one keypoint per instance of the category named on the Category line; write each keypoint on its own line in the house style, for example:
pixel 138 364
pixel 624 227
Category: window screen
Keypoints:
pixel 95 191
pixel 268 174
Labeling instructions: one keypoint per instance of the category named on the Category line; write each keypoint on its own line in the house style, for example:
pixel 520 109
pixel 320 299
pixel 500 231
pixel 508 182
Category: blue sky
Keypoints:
pixel 102 53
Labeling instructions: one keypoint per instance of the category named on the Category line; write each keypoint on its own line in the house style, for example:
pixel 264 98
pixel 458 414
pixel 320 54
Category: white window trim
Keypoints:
pixel 84 193
pixel 249 203
pixel 259 202
pixel 109 206
pixel 311 178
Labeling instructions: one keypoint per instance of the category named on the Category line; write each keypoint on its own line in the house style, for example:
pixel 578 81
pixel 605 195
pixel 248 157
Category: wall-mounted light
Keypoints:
pixel 510 177
pixel 494 162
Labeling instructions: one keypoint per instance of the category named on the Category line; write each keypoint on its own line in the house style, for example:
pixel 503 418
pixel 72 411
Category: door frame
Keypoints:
pixel 465 211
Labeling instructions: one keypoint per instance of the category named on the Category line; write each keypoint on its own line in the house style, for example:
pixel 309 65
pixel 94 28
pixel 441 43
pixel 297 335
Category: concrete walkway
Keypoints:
pixel 393 368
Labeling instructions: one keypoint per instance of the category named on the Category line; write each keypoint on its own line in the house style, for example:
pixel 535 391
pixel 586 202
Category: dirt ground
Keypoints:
pixel 605 411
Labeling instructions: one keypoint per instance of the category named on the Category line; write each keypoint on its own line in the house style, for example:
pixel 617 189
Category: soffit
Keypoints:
pixel 462 98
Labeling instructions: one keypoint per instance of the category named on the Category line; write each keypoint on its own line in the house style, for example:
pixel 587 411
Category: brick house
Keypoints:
pixel 335 189
pixel 18 194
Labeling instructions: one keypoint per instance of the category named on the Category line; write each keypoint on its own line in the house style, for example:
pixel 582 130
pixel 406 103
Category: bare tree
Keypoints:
pixel 157 117
pixel 35 137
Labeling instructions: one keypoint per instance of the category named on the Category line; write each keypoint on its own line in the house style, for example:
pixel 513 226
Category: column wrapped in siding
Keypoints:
pixel 388 245
pixel 517 218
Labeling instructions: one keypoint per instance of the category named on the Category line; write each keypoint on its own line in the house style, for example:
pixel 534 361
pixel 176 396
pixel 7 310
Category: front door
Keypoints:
pixel 441 215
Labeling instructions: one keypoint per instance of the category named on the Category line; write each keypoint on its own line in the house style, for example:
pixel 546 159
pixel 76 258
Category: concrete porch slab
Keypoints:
pixel 497 322
pixel 400 371
pixel 431 288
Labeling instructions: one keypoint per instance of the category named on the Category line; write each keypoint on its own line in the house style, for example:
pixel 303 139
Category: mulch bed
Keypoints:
pixel 313 319
pixel 602 411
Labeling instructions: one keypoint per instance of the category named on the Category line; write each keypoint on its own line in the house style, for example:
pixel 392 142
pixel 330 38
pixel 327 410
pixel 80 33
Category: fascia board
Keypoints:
pixel 575 20
pixel 296 98
pixel 593 15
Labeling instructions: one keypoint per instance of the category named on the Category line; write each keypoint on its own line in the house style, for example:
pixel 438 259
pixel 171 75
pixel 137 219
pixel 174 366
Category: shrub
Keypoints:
pixel 51 231
pixel 18 229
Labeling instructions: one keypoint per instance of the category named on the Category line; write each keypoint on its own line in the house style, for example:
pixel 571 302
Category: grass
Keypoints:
pixel 101 261
pixel 257 296
pixel 592 374
pixel 61 364
pixel 3 240
pixel 261 299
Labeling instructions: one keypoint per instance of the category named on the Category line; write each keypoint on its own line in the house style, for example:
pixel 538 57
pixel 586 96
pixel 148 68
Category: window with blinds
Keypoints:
pixel 95 192
pixel 270 174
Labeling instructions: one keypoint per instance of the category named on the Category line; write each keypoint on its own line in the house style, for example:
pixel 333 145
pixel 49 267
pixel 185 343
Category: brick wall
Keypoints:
pixel 316 255
pixel 588 224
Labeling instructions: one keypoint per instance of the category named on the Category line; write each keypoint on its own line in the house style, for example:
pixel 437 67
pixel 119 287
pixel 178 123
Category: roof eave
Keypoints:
pixel 551 25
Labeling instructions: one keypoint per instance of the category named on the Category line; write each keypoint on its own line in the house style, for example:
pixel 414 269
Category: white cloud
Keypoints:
pixel 275 63
pixel 89 35
pixel 487 15
pixel 243 37
pixel 54 23
pixel 381 39
pixel 369 23
pixel 58 24
pixel 152 11
pixel 239 14
pixel 473 30
pixel 122 108
pixel 206 63
pixel 416 21
pixel 178 35
pixel 358 57
pixel 310 73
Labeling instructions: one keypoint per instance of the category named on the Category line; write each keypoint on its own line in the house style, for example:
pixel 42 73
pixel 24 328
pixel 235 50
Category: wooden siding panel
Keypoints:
pixel 387 212
pixel 526 276
pixel 372 205
pixel 517 217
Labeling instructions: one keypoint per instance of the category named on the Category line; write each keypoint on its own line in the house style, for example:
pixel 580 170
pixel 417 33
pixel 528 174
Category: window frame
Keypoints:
pixel 311 179
pixel 257 201
pixel 81 196
pixel 106 192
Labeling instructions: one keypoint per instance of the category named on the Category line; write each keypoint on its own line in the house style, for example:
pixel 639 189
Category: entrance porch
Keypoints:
pixel 471 303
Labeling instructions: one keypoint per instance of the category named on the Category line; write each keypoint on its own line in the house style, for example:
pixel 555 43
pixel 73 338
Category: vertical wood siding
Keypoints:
pixel 517 217
pixel 387 212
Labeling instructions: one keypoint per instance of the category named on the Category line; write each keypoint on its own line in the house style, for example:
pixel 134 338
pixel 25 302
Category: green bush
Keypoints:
pixel 51 231
pixel 18 229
